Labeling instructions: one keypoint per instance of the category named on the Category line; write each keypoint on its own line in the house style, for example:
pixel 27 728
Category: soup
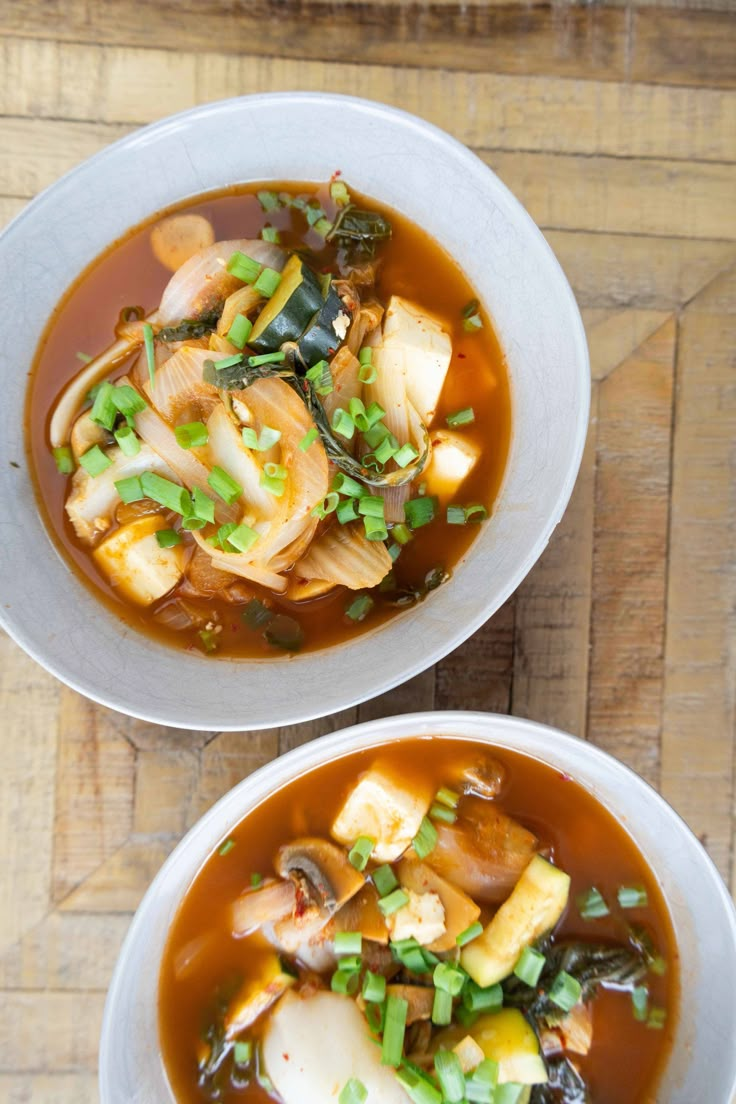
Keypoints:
pixel 299 427
pixel 435 920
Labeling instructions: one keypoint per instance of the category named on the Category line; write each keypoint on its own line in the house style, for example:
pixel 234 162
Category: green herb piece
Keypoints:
pixel 266 358
pixel 384 880
pixel 450 1076
pixel 309 438
pixel 203 506
pixel 455 515
pixel 267 282
pixel 441 812
pixel 374 987
pixel 269 201
pixel 130 489
pixel 420 511
pixel 345 981
pixel 343 424
pixel 353 1092
pixel 406 455
pixel 414 958
pixel 256 880
pixel 239 331
pixel 361 852
pixel 85 358
pixel 343 484
pixel 243 538
pixel 166 493
pixel 63 459
pixel 475 513
pixel 243 1052
pixel 168 538
pixel 228 362
pixel 348 943
pixel 284 632
pixel 327 506
pixel 449 978
pixel 375 528
pixel 226 847
pixel 94 461
pixel 392 1048
pixel 127 440
pixel 243 267
pixel 347 510
pixel 104 411
pixel 127 401
pixel 529 966
pixel 320 377
pixel 480 1086
pixel 473 323
pixel 657 1018
pixel 640 1002
pixel 372 506
pixel 339 192
pixel 425 840
pixel 191 435
pixel 270 234
pixel 417 1087
pixel 377 433
pixel 469 934
pixel 470 308
pixel 630 897
pixel 224 486
pixel 508 1093
pixel 466 416
pixel 359 608
pixel 367 373
pixel 323 227
pixel 566 991
pixel 394 901
pixel 591 904
pixel 447 797
pixel 477 999
pixel 441 1008
pixel 150 353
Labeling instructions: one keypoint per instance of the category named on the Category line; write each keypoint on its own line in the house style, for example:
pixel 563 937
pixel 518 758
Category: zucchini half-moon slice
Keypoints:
pixel 289 310
pixel 327 330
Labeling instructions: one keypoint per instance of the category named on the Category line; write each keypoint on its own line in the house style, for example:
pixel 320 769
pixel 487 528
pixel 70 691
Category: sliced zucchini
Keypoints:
pixel 326 331
pixel 289 310
pixel 507 1038
pixel 534 907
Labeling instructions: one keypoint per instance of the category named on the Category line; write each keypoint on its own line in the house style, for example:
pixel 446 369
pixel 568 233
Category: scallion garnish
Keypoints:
pixel 269 201
pixel 224 486
pixel 469 934
pixel 367 373
pixel 256 879
pixel 417 1087
pixel 274 486
pixel 472 323
pixel 323 226
pixel 529 966
pixel 361 852
pixel 392 1047
pixel 394 551
pixel 441 812
pixel 348 943
pixel 227 362
pixel 127 400
pixel 630 897
pixel 309 438
pixel 130 489
pixel 104 411
pixel 266 358
pixel 359 608
pixel 203 506
pixel 441 1008
pixel 150 352
pixel 470 307
pixel 270 234
pixel 509 1092
pixel 640 1002
pixel 378 433
pixel 401 533
pixel 475 512
pixel 425 840
pixel 343 424
pixel 242 538
pixel 267 282
pixel 482 1083
pixel 327 506
pixel 263 441
pixel 372 506
pixel 407 454
pixel 375 528
pixel 415 958
pixel 353 1092
pixel 243 1052
pixel 94 461
pixel 461 515
pixel 191 435
pixel 384 880
pixel 420 511
pixel 226 847
pixel 85 358
pixel 450 1075
pixel 168 538
pixel 477 999
pixel 657 1018
pixel 591 904
pixel 339 192
pixel 343 484
pixel 320 377
pixel 347 510
pixel 393 901
pixel 239 331
pixel 166 493
pixel 345 981
pixel 449 978
pixel 243 267
pixel 374 987
pixel 193 522
pixel 127 440
pixel 565 991
pixel 63 459
pixel 386 450
pixel 466 416
pixel 446 796
pixel 455 515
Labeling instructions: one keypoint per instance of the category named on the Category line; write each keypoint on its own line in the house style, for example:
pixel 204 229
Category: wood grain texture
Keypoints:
pixel 615 124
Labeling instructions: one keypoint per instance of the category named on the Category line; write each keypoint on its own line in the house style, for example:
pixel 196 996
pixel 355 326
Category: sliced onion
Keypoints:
pixel 344 368
pixel 365 322
pixel 226 449
pixel 242 301
pixel 202 284
pixel 239 563
pixel 178 385
pixel 343 555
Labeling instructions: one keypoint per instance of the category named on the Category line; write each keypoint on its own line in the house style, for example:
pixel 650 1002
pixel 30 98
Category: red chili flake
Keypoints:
pixel 461 356
pixel 336 173
pixel 565 777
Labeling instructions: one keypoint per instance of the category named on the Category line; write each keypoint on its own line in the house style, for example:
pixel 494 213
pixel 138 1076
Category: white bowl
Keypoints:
pixel 421 172
pixel 703 1061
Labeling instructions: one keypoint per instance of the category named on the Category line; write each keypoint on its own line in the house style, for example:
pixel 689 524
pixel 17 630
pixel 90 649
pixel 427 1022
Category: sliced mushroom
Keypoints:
pixel 86 433
pixel 362 914
pixel 331 876
pixel 256 995
pixel 419 998
pixel 271 901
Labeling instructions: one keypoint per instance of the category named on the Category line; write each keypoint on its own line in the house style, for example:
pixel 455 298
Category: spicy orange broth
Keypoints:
pixel 584 839
pixel 413 266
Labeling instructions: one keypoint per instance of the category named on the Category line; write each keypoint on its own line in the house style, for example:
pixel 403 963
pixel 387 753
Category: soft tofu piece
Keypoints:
pixel 384 808
pixel 427 352
pixel 453 458
pixel 136 565
pixel 93 499
pixel 314 1044
pixel 422 918
pixel 469 1053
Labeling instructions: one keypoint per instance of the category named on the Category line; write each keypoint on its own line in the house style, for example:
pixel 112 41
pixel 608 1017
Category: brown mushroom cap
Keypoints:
pixel 325 866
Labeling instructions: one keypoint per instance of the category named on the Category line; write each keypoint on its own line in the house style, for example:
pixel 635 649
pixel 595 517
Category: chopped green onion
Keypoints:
pixel 203 505
pixel 384 880
pixel 361 852
pixel 255 880
pixel 243 538
pixel 466 416
pixel 508 1093
pixel 450 1076
pixel 64 459
pixel 394 901
pixel 127 400
pixel 630 897
pixel 191 435
pixel 266 358
pixel 323 226
pixel 407 454
pixel 130 489
pixel 374 987
pixel 255 614
pixel 284 632
pixel 473 323
pixel 377 433
pixel 321 377
pixel 345 981
pixel 166 493
pixel 448 797
pixel 356 410
pixel 343 484
pixel 276 471
pixel 592 905
pixel 94 461
pixel 375 528
pixel 658 965
pixel 475 512
pixel 392 1048
pixel 640 1002
pixel 224 486
pixel 313 212
pixel 367 373
pixel 353 1092
pixel 243 267
pixel 348 943
pixel 309 438
pixel 470 308
pixel 465 1016
pixel 168 538
pixel 385 451
pixel 226 847
pixel 365 355
pixel 566 991
pixel 104 411
pixel 239 331
pixel 270 234
pixel 478 999
pixel 243 1052
pixel 413 957
pixel 425 840
pixel 469 934
pixel 374 413
pixel 529 966
pixel 269 201
pixel 272 484
pixel 127 441
pixel 449 978
pixel 347 510
pixel 359 608
pixel 327 506
pixel 455 515
pixel 401 533
pixel 441 812
pixel 394 551
pixel 420 511
pixel 417 1087
pixel 85 358
pixel 656 1018
pixel 267 282
pixel 372 506
pixel 266 439
pixel 480 1086
pixel 193 522
pixel 222 534
pixel 228 362
pixel 340 193
pixel 441 1008
pixel 150 354
pixel 343 424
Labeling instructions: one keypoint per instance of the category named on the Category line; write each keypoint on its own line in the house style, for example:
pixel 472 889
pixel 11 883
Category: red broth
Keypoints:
pixel 414 266
pixel 579 834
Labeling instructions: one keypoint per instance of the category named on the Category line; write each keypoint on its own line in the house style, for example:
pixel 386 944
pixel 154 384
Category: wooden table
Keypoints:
pixel 615 124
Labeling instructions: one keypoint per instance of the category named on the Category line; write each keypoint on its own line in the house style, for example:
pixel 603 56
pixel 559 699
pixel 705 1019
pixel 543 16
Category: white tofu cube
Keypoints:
pixel 423 919
pixel 135 563
pixel 384 808
pixel 427 352
pixel 453 459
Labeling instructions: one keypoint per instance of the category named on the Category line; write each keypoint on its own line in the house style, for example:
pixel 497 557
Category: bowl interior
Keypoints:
pixel 437 183
pixel 703 1060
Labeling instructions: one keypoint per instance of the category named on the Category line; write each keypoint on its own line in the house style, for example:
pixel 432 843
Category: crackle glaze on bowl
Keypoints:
pixel 406 164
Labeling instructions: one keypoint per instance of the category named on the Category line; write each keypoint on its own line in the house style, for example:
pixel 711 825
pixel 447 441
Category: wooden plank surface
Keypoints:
pixel 615 124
